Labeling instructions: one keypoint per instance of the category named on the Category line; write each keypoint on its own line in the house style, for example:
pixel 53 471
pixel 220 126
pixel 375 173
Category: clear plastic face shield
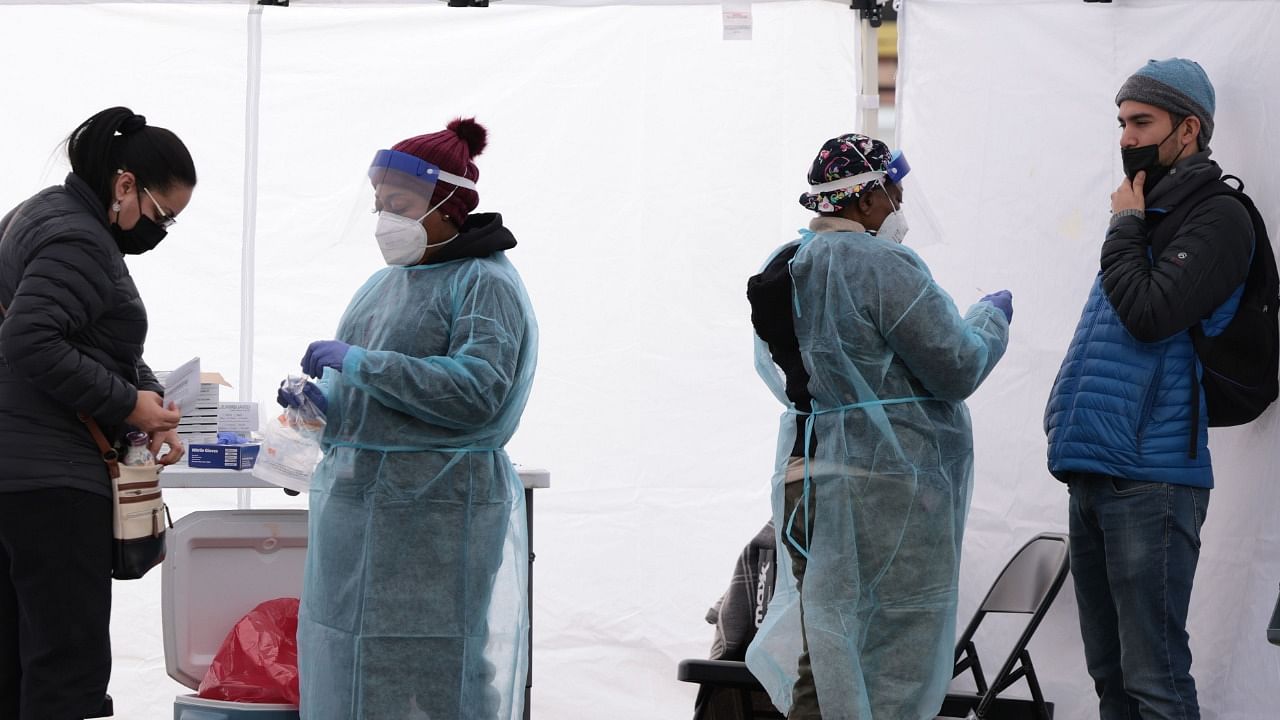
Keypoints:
pixel 915 205
pixel 402 184
pixel 898 167
pixel 894 226
pixel 402 187
pixel 926 231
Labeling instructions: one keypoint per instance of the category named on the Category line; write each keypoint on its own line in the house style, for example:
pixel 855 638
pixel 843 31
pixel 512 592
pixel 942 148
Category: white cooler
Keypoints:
pixel 220 565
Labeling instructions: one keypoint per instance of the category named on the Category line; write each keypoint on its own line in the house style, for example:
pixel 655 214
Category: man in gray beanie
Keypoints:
pixel 1126 420
pixel 1178 86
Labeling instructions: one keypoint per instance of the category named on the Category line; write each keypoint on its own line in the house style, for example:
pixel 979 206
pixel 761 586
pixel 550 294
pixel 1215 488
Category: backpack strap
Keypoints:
pixel 1162 234
pixel 1165 225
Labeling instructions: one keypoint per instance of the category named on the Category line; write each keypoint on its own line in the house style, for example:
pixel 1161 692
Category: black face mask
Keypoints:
pixel 1145 157
pixel 140 238
pixel 143 236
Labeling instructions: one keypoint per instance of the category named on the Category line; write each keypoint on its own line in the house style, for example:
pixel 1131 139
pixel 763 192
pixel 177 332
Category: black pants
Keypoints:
pixel 55 604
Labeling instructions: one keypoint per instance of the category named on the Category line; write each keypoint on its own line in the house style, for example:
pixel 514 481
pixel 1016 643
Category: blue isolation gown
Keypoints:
pixel 414 602
pixel 890 360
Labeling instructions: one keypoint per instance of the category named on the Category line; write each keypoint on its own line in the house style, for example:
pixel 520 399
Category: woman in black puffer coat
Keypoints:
pixel 71 339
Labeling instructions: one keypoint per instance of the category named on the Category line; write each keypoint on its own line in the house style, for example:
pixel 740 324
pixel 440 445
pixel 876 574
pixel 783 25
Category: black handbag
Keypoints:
pixel 138 508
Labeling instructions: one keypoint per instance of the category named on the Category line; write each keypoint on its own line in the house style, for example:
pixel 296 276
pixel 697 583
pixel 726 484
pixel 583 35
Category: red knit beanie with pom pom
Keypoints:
pixel 451 150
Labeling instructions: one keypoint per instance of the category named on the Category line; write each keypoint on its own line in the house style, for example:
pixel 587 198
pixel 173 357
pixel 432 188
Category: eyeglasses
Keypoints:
pixel 165 221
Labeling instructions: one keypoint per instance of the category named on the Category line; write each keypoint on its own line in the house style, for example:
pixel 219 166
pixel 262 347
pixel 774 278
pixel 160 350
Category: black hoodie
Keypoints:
pixel 480 236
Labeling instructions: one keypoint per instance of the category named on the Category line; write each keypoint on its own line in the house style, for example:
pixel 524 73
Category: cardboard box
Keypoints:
pixel 205 406
pixel 210 382
pixel 199 423
pixel 233 457
pixel 190 438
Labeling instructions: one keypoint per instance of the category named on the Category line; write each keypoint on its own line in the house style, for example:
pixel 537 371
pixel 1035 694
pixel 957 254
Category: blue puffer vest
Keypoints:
pixel 1123 407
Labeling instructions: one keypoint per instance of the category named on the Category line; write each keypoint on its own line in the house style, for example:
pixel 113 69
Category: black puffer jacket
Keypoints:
pixel 1158 297
pixel 71 340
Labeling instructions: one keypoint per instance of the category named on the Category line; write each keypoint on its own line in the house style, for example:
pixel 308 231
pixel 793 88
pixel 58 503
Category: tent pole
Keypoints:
pixel 869 93
pixel 253 75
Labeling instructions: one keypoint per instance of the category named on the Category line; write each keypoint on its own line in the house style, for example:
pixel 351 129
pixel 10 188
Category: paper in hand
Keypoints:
pixel 182 386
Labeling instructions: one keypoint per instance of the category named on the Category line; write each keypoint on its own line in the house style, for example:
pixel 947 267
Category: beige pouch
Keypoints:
pixel 139 523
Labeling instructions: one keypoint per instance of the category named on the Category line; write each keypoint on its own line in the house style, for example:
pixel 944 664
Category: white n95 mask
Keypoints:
pixel 402 240
pixel 894 227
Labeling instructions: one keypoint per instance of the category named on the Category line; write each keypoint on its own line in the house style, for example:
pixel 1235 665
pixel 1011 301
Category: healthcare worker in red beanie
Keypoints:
pixel 413 603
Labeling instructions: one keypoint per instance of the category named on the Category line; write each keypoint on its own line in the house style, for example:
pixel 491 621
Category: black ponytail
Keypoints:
pixel 119 139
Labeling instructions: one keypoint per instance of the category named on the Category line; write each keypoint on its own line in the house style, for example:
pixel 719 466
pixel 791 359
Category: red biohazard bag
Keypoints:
pixel 258 662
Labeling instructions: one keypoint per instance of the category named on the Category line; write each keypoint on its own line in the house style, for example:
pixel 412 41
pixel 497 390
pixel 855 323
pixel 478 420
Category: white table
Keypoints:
pixel 182 476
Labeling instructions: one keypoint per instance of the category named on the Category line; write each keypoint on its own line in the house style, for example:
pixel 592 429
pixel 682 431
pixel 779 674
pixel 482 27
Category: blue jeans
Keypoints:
pixel 1134 548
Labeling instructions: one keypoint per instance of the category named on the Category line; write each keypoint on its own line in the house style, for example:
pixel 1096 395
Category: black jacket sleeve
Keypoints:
pixel 1207 259
pixel 147 379
pixel 66 285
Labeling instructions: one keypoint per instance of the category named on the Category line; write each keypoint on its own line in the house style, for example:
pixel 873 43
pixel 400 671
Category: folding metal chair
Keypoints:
pixel 1273 628
pixel 728 691
pixel 1027 585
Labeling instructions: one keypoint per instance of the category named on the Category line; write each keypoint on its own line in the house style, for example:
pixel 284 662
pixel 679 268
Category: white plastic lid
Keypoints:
pixel 220 565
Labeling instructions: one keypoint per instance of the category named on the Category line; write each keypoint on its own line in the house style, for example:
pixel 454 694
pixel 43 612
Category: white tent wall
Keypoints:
pixel 392 3
pixel 1007 112
pixel 647 167
pixel 183 66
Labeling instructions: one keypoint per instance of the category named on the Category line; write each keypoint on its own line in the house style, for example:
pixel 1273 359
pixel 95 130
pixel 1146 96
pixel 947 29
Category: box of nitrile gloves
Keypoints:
pixel 233 457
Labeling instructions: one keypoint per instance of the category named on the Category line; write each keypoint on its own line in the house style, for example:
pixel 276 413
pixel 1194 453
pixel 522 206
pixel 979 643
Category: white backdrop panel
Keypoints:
pixel 181 66
pixel 389 3
pixel 647 167
pixel 1007 112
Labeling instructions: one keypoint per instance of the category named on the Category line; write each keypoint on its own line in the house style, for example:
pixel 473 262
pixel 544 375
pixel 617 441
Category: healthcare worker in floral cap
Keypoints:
pixel 875 456
pixel 414 600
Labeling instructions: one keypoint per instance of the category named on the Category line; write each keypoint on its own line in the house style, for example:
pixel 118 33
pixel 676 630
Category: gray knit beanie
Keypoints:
pixel 1177 85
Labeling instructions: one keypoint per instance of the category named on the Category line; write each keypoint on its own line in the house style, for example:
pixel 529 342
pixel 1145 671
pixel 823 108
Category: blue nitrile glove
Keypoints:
pixel 1002 299
pixel 322 354
pixel 226 437
pixel 289 399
